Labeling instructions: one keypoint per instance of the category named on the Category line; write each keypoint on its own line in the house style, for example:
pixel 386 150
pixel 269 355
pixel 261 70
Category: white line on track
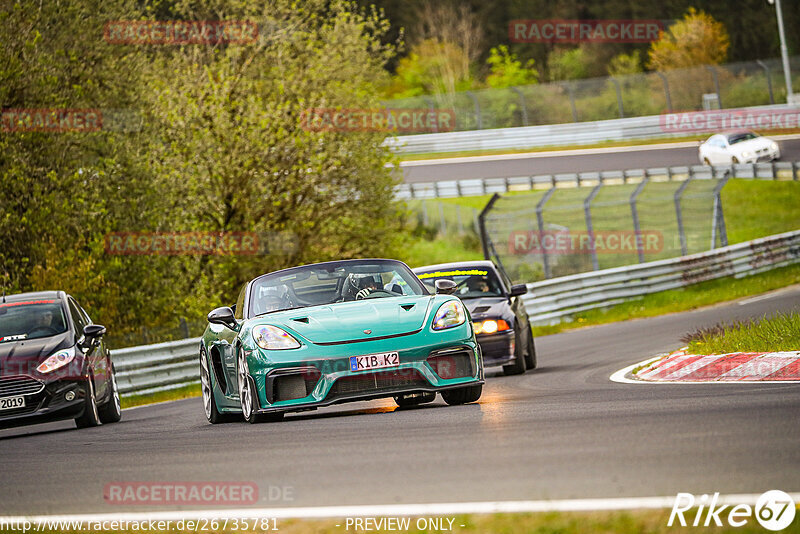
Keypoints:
pixel 432 509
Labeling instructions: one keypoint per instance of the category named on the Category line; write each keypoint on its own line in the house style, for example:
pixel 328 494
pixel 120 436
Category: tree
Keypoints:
pixel 507 71
pixel 696 40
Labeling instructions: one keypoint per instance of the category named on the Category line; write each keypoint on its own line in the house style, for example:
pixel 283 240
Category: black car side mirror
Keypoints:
pixel 91 335
pixel 517 290
pixel 223 316
pixel 445 287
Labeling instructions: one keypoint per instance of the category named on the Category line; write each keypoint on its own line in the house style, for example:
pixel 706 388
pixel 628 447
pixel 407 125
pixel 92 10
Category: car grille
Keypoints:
pixel 19 385
pixel 377 382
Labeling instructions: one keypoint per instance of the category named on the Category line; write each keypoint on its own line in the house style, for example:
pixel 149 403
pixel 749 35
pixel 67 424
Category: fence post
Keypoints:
pixel 666 90
pixel 571 91
pixel 482 225
pixel 540 222
pixel 184 328
pixel 523 105
pixel 442 221
pixel 637 229
pixel 587 210
pixel 679 215
pixel 718 224
pixel 458 217
pixel 432 109
pixel 716 84
pixel 425 213
pixel 477 104
pixel 769 79
pixel 619 97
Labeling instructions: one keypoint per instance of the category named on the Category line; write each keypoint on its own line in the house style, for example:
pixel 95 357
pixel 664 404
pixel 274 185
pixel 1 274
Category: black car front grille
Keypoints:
pixel 19 411
pixel 376 382
pixel 19 385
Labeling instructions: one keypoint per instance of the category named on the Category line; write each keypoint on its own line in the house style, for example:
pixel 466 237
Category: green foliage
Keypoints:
pixel 779 332
pixel 507 71
pixel 698 39
pixel 432 67
pixel 623 64
pixel 220 148
pixel 568 64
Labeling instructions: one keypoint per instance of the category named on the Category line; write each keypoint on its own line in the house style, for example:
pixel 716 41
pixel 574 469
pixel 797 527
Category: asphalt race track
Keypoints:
pixel 589 160
pixel 564 431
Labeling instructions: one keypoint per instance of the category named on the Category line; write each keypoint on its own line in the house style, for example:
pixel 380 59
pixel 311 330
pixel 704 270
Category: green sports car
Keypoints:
pixel 334 332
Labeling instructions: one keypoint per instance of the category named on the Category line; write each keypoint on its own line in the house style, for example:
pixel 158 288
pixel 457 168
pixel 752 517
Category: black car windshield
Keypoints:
pixel 329 283
pixel 739 137
pixel 471 282
pixel 31 319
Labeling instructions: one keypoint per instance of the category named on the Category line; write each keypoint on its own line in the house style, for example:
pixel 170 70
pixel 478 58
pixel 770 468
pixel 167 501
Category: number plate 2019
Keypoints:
pixel 374 361
pixel 9 403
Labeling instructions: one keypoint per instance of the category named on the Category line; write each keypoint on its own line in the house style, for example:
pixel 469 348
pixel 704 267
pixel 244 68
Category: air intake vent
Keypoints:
pixel 303 320
pixel 407 307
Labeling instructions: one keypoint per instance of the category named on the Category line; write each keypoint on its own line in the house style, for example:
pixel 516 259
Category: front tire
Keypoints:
pixel 90 416
pixel 518 367
pixel 111 411
pixel 530 354
pixel 248 395
pixel 209 404
pixel 454 397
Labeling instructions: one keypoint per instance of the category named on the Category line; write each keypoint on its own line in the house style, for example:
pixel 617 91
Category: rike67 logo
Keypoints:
pixel 774 510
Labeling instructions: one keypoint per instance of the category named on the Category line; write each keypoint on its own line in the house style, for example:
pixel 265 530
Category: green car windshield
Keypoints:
pixel 329 283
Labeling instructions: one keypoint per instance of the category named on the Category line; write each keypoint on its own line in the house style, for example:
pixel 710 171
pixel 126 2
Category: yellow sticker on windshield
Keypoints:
pixel 439 274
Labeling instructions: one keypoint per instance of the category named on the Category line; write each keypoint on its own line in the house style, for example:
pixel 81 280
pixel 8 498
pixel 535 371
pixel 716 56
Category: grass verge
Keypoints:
pixel 617 522
pixel 779 332
pixel 684 299
pixel 192 390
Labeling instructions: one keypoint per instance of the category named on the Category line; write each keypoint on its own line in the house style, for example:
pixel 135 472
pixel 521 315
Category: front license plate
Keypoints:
pixel 374 361
pixel 9 403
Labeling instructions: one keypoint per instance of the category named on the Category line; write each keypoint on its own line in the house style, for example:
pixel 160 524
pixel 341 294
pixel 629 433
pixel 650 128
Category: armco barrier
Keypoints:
pixel 163 366
pixel 548 301
pixel 776 170
pixel 151 368
pixel 520 138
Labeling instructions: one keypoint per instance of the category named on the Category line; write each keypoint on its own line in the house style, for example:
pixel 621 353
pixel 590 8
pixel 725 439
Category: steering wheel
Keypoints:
pixel 48 331
pixel 373 292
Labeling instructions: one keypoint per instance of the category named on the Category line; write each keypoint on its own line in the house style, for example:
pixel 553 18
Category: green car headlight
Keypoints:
pixel 270 337
pixel 449 314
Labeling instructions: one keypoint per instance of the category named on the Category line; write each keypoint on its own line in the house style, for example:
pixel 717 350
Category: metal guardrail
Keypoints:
pixel 548 135
pixel 159 367
pixel 549 301
pixel 776 170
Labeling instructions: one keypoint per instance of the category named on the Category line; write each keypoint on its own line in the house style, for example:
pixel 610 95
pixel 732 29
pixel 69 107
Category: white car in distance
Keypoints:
pixel 738 147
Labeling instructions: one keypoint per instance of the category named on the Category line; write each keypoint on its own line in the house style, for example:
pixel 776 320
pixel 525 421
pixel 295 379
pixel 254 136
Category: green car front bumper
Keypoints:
pixel 320 375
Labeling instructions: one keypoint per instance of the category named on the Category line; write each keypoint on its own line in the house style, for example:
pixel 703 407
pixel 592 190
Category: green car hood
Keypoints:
pixel 348 321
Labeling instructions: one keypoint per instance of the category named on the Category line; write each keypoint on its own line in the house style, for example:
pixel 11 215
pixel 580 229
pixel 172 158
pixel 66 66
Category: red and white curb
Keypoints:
pixel 682 367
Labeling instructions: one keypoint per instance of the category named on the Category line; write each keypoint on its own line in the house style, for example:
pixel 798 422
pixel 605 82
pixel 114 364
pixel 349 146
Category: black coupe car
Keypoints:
pixel 498 314
pixel 53 363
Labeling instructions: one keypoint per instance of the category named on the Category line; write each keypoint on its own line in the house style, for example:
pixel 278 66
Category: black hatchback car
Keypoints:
pixel 53 363
pixel 498 314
